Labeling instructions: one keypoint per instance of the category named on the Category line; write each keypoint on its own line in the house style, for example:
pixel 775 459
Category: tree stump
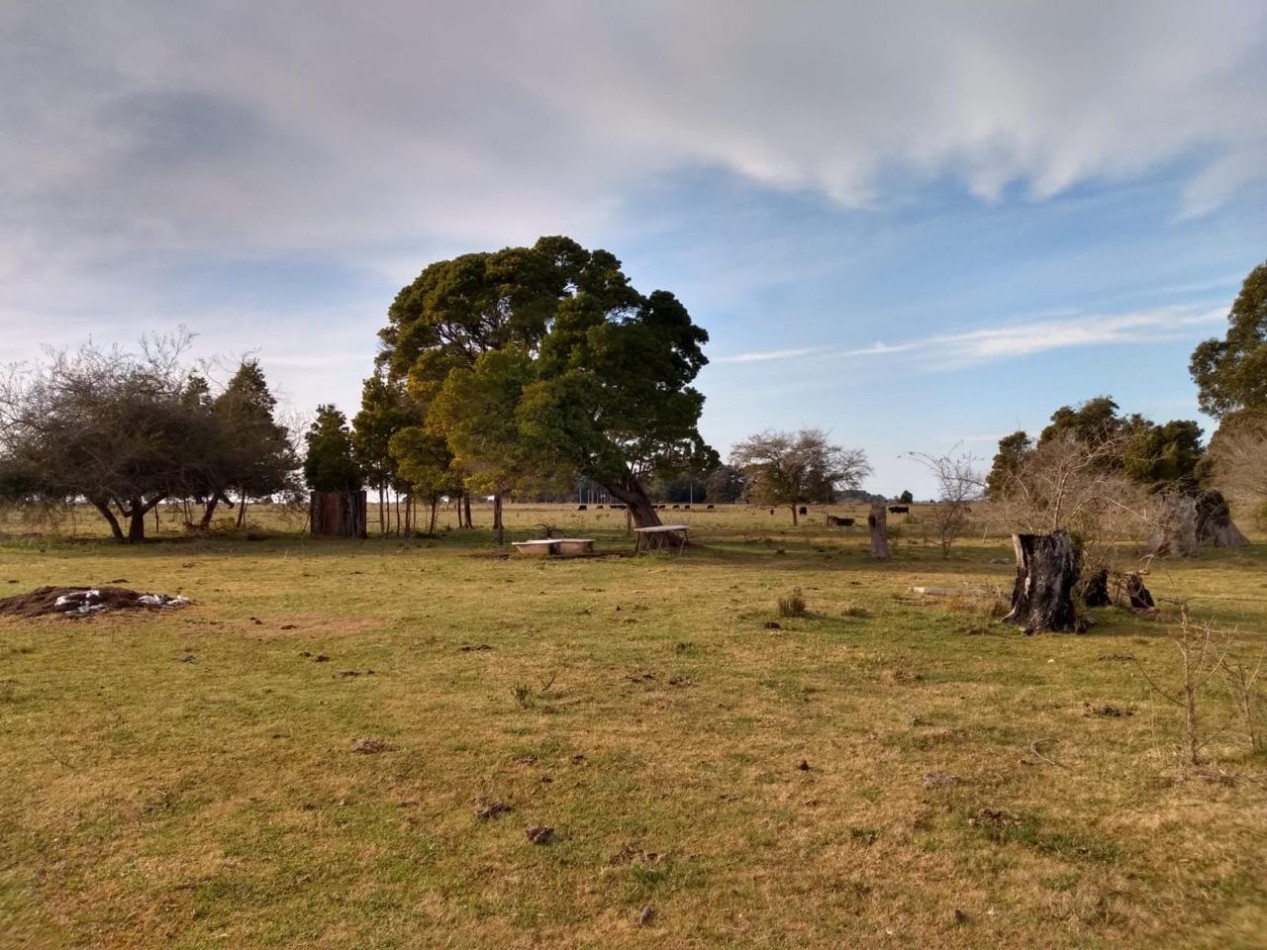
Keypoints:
pixel 1214 522
pixel 1095 589
pixel 877 521
pixel 1176 531
pixel 1047 569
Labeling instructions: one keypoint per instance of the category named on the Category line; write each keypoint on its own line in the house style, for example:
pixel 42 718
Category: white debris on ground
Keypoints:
pixel 91 600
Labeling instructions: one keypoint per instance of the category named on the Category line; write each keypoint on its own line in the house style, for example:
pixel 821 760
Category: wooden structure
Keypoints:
pixel 337 514
pixel 661 537
pixel 562 547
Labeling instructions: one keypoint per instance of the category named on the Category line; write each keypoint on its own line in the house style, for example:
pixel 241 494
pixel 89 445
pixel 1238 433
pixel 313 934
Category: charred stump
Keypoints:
pixel 1137 594
pixel 1047 570
pixel 1214 522
pixel 1095 589
pixel 877 521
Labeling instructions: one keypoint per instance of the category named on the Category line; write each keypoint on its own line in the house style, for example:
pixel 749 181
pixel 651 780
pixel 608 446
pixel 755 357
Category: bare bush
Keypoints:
pixel 961 482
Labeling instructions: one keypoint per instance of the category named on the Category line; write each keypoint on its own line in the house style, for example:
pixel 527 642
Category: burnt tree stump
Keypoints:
pixel 1047 570
pixel 1214 522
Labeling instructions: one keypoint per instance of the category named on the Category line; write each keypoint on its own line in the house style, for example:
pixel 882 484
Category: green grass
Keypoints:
pixel 188 779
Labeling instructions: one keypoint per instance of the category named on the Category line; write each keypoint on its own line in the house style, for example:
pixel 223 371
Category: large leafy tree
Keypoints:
pixel 1231 373
pixel 794 468
pixel 595 376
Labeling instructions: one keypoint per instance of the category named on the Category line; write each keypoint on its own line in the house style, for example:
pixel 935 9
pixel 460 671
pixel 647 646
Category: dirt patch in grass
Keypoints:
pixel 289 627
pixel 81 601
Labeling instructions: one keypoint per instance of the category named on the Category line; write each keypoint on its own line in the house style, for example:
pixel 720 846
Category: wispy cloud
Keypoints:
pixel 1027 339
pixel 988 344
pixel 764 356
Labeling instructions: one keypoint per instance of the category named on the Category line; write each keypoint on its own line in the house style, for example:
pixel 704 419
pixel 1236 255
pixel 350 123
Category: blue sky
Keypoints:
pixel 912 225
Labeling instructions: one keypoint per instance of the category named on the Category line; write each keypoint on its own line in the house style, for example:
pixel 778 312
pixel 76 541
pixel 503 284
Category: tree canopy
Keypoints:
pixel 1231 373
pixel 1156 457
pixel 330 464
pixel 528 361
pixel 794 468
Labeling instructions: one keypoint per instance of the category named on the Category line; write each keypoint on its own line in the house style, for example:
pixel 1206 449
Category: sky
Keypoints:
pixel 917 226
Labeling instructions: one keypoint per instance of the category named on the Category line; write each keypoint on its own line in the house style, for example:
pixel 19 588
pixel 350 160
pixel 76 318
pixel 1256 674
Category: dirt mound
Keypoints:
pixel 81 601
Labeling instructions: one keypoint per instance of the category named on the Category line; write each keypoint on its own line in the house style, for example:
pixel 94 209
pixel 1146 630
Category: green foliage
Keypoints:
pixel 329 464
pixel 258 458
pixel 1157 457
pixel 1231 374
pixel 1162 456
pixel 528 361
pixel 385 410
pixel 1013 450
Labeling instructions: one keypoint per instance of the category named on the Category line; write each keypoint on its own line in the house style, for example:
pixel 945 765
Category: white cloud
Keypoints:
pixel 277 125
pixel 987 344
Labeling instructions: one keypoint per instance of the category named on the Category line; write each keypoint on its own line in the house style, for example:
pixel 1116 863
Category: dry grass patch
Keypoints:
pixel 151 800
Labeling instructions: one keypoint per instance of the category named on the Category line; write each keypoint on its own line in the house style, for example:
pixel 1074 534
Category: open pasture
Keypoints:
pixel 343 744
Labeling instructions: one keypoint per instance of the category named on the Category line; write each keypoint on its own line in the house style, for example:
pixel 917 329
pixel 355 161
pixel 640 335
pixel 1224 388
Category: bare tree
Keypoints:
pixel 960 482
pixel 784 468
pixel 1240 464
pixel 125 431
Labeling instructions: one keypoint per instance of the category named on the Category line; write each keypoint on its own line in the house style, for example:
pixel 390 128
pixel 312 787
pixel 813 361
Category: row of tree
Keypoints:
pixel 533 369
pixel 126 431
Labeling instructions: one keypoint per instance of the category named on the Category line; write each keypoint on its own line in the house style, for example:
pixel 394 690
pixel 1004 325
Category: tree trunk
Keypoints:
pixel 435 507
pixel 1176 532
pixel 794 522
pixel 498 527
pixel 208 510
pixel 639 506
pixel 878 522
pixel 466 507
pixel 136 521
pixel 241 523
pixel 115 528
pixel 1047 570
pixel 382 515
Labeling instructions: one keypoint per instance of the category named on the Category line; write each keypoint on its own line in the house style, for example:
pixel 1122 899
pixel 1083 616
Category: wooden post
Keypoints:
pixel 877 521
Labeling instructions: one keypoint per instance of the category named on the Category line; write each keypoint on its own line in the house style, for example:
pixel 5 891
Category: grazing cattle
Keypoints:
pixel 686 507
pixel 709 507
pixel 676 507
pixel 582 507
pixel 835 521
pixel 599 507
pixel 617 507
pixel 804 510
pixel 899 509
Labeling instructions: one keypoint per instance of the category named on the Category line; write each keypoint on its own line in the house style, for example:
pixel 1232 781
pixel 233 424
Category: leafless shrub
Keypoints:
pixel 960 483
pixel 1203 651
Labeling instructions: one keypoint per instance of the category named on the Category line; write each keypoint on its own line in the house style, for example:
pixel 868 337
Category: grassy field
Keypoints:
pixel 315 753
